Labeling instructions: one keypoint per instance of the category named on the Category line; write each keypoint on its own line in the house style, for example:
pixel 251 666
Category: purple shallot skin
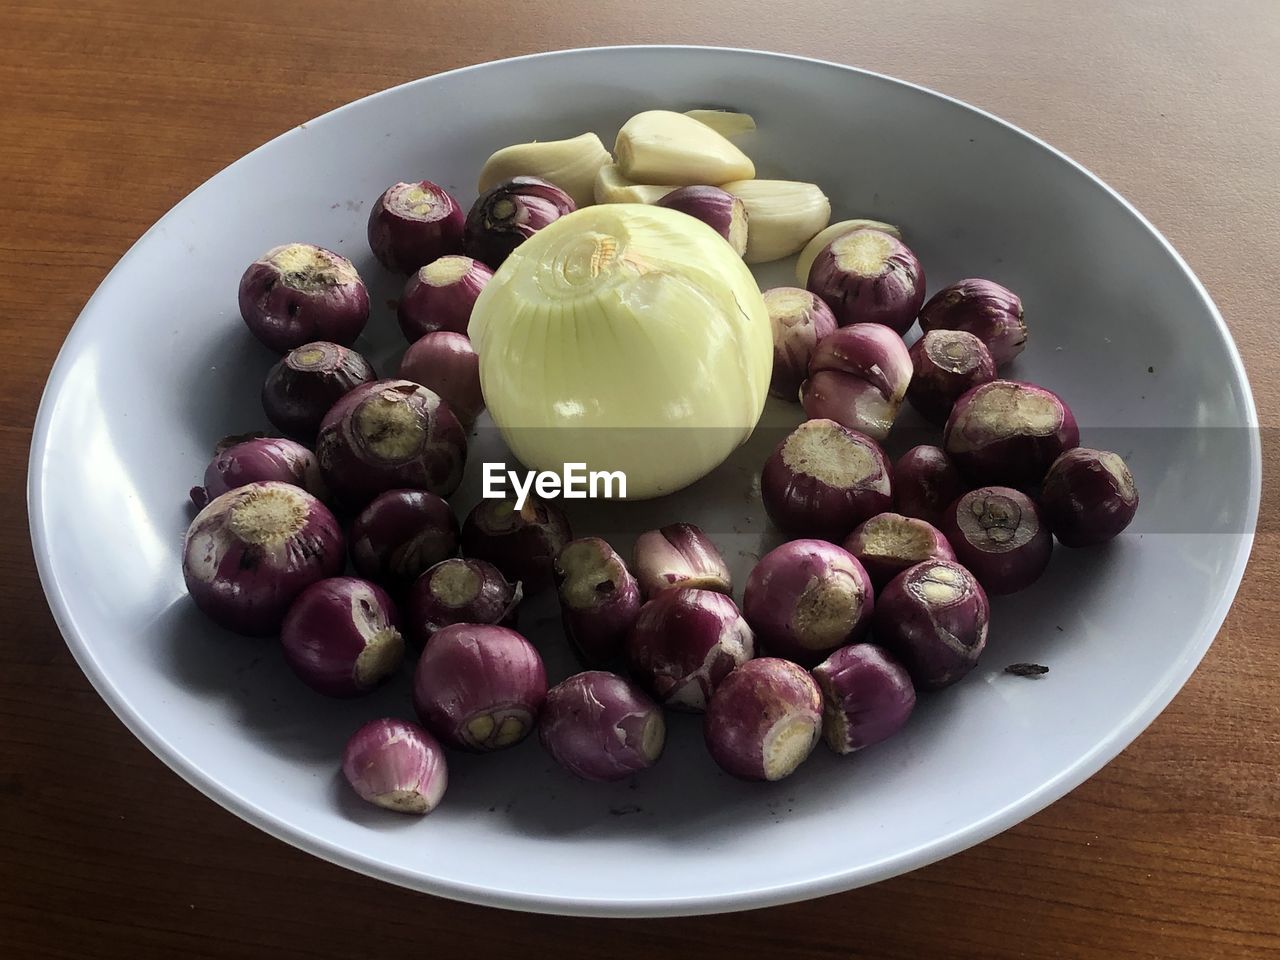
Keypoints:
pixel 867 696
pixel 413 224
pixel 599 599
pixel 341 636
pixel 806 598
pixel 719 209
pixel 823 480
pixel 440 296
pixel 307 381
pixel 800 321
pixel 521 542
pixel 679 555
pixel 601 727
pixel 999 535
pixel 503 218
pixel 479 687
pixel 858 377
pixel 388 435
pixel 296 293
pixel 1088 497
pixel 945 365
pixel 983 308
pixel 460 590
pixel 764 720
pixel 256 460
pixel 925 483
pixel 396 765
pixel 400 535
pixel 933 617
pixel 446 364
pixel 250 552
pixel 1008 433
pixel 868 276
pixel 684 643
pixel 889 543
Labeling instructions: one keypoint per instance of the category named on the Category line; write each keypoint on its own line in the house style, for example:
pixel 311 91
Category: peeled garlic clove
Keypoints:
pixel 784 216
pixel 570 164
pixel 814 247
pixel 612 187
pixel 659 146
pixel 725 122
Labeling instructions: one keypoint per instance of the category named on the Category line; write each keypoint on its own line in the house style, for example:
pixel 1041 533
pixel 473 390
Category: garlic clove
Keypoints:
pixel 725 122
pixel 659 146
pixel 784 215
pixel 612 187
pixel 814 247
pixel 569 164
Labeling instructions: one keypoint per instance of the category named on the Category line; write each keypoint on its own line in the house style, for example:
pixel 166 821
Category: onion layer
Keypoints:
pixel 627 338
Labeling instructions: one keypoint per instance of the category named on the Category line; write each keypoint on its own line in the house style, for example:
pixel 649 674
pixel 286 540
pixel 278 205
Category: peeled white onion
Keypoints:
pixel 625 337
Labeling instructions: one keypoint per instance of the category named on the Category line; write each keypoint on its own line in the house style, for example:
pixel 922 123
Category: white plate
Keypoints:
pixel 159 366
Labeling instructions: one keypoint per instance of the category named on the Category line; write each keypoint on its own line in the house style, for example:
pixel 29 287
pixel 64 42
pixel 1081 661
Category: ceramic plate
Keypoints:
pixel 159 366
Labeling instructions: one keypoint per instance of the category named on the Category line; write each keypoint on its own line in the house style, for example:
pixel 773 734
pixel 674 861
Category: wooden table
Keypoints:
pixel 112 112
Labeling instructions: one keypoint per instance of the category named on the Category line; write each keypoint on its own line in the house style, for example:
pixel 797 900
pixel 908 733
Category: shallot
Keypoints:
pixel 601 727
pixel 251 551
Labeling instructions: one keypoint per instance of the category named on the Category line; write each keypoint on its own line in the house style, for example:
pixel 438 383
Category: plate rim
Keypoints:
pixel 911 859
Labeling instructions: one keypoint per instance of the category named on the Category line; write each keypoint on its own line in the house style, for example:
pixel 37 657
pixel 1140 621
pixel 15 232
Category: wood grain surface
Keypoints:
pixel 113 111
